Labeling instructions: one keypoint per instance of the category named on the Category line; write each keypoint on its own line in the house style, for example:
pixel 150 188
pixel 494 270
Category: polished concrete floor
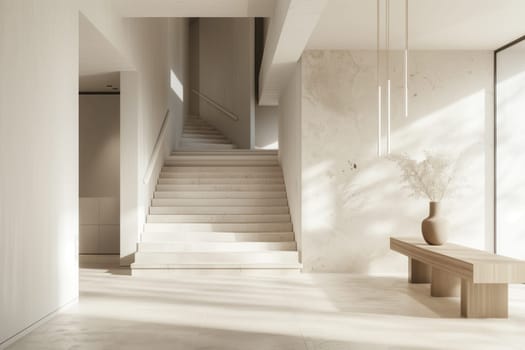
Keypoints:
pixel 316 311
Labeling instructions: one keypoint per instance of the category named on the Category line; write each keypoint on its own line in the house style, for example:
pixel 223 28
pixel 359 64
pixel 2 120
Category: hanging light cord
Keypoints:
pixel 379 97
pixel 406 58
pixel 388 121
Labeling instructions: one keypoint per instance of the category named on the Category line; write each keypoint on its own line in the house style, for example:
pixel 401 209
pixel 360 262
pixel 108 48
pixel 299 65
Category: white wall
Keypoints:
pixel 99 117
pixel 352 201
pixel 99 212
pixel 39 160
pixel 226 75
pixel 149 52
pixel 179 91
pixel 510 157
pixel 154 47
pixel 290 147
pixel 266 127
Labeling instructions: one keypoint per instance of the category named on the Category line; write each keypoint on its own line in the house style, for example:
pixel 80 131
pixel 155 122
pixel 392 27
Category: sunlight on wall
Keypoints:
pixel 67 251
pixel 318 197
pixel 359 197
pixel 176 86
pixel 511 158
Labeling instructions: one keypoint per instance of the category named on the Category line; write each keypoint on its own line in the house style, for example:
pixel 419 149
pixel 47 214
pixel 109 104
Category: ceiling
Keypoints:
pixel 103 82
pixel 98 59
pixel 433 24
pixel 194 8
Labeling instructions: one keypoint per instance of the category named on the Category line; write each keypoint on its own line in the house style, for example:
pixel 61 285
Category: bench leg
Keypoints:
pixel 444 284
pixel 418 272
pixel 484 300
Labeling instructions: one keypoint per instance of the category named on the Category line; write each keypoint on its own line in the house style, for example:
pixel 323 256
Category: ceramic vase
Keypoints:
pixel 435 226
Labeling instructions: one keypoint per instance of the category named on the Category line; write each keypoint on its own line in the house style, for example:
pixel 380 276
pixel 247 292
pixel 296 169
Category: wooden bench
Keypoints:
pixel 480 278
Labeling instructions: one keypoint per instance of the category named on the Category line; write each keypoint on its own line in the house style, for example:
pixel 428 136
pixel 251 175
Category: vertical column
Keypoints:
pixel 129 168
pixel 444 284
pixel 39 169
pixel 418 272
pixel 484 300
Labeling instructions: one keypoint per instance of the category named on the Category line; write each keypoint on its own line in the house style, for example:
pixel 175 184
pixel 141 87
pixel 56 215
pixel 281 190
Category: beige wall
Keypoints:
pixel 39 200
pixel 290 148
pixel 226 64
pixel 39 161
pixel 352 200
pixel 147 96
pixel 194 101
pixel 266 127
pixel 155 47
pixel 179 91
pixel 510 157
pixel 99 118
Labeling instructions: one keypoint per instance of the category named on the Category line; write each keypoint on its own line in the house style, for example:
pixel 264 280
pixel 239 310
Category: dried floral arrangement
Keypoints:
pixel 429 178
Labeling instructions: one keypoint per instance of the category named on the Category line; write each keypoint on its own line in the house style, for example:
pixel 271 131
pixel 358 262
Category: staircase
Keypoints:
pixel 200 135
pixel 218 209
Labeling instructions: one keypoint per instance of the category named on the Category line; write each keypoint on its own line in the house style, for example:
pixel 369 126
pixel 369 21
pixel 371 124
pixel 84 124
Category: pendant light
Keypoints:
pixel 379 88
pixel 388 86
pixel 406 59
pixel 388 77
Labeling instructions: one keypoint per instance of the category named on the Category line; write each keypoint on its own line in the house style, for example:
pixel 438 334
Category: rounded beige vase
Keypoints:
pixel 435 226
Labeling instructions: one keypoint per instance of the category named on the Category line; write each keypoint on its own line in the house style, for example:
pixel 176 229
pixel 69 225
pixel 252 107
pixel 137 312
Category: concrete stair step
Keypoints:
pixel 220 202
pixel 217 258
pixel 219 227
pixel 221 195
pixel 219 218
pixel 204 137
pixel 195 145
pixel 214 269
pixel 226 152
pixel 203 131
pixel 199 127
pixel 221 187
pixel 220 141
pixel 150 247
pixel 222 157
pixel 193 122
pixel 217 207
pixel 217 175
pixel 229 162
pixel 197 136
pixel 181 236
pixel 221 181
pixel 197 120
pixel 217 210
pixel 219 169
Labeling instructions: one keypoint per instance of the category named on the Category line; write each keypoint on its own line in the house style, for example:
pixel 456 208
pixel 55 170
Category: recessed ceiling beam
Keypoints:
pixel 290 28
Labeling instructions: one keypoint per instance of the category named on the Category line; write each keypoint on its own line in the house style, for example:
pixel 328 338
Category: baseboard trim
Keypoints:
pixel 14 338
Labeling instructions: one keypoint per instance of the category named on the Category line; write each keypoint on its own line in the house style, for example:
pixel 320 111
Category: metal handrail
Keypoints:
pixel 216 105
pixel 156 150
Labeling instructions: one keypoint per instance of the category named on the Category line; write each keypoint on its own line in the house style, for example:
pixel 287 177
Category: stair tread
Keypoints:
pixel 218 207
pixel 217 236
pixel 217 266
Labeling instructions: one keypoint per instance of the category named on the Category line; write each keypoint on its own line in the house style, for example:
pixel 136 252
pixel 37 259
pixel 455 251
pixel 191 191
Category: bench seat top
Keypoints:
pixel 475 265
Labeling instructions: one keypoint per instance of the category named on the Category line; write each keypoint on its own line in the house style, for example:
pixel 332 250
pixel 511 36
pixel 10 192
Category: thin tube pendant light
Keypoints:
pixel 379 88
pixel 388 91
pixel 406 58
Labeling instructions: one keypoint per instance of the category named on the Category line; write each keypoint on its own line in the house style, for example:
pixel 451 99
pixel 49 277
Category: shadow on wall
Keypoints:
pixel 354 200
pixel 266 127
